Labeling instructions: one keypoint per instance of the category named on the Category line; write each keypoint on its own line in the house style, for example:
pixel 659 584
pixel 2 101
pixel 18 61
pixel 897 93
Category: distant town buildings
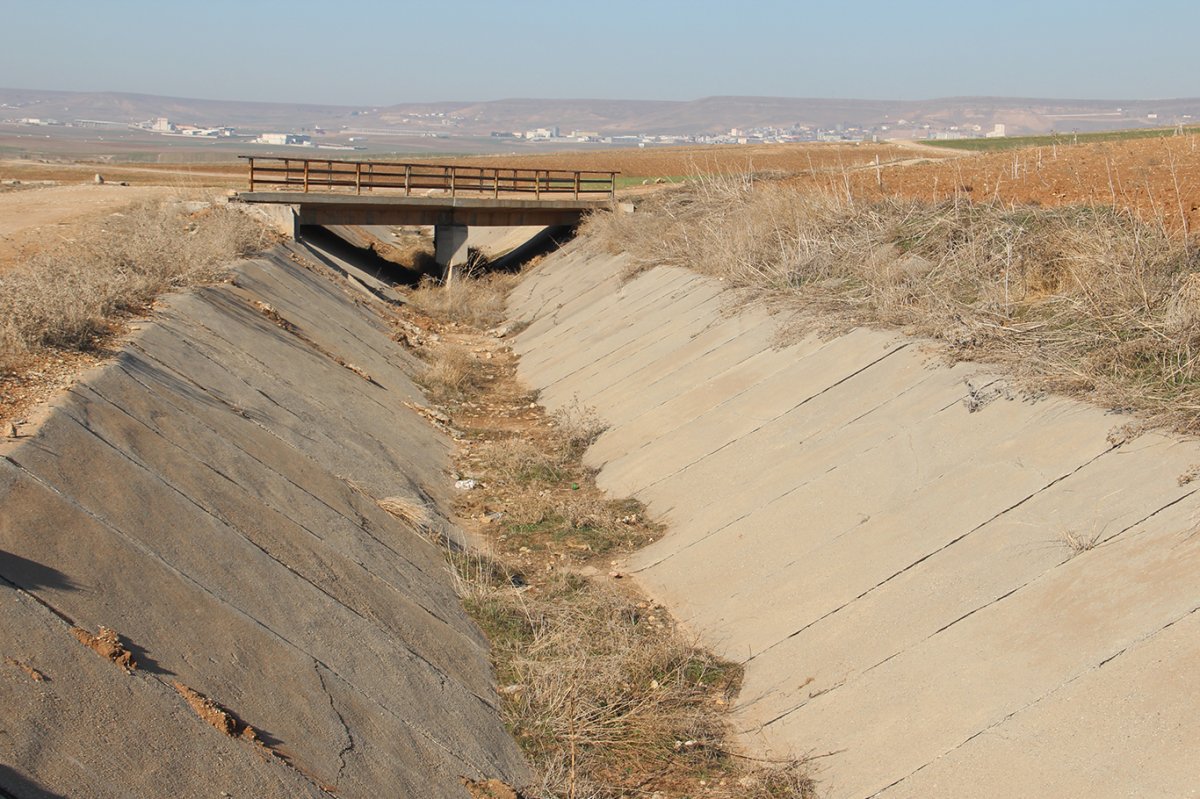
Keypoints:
pixel 166 127
pixel 384 131
pixel 281 139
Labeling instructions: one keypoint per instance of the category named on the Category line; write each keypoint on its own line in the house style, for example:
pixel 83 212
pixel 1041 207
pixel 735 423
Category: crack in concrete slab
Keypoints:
pixel 138 546
pixel 927 556
pixel 361 523
pixel 730 443
pixel 1039 699
pixel 349 745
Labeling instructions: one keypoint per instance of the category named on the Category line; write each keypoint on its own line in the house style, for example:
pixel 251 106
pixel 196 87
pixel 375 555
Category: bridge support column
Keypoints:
pixel 449 248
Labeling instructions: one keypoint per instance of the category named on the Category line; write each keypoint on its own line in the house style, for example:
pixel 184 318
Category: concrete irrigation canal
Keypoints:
pixel 938 587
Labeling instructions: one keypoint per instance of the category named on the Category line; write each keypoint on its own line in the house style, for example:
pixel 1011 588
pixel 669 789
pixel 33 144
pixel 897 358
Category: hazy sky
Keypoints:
pixel 379 53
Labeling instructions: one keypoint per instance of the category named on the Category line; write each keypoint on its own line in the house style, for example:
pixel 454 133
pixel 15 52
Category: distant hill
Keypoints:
pixel 706 115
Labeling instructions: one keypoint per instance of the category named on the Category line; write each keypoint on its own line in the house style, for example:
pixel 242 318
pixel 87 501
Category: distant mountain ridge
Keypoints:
pixel 704 115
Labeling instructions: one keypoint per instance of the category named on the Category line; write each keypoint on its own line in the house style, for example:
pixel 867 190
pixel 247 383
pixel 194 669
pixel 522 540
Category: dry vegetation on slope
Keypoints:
pixel 62 306
pixel 1084 300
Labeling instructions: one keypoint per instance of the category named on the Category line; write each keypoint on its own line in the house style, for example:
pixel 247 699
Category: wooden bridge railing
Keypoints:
pixel 311 174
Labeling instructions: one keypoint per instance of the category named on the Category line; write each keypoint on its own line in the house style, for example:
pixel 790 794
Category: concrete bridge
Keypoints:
pixel 448 197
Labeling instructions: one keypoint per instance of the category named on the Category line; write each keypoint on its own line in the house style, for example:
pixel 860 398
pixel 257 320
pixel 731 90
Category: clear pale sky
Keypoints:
pixel 377 53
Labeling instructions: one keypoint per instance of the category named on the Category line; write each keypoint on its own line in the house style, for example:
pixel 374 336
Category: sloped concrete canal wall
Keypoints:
pixel 948 590
pixel 209 496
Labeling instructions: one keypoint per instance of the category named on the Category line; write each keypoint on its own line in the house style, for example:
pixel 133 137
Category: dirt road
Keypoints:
pixel 32 218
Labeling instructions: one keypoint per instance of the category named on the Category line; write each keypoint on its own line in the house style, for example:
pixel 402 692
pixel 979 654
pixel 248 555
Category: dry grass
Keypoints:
pixel 412 512
pixel 1079 541
pixel 475 301
pixel 74 295
pixel 1081 300
pixel 451 375
pixel 602 692
pixel 548 501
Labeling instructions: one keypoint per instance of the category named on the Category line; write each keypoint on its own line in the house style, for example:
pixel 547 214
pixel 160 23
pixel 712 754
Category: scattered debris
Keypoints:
pixel 1188 476
pixel 268 310
pixel 432 414
pixel 979 397
pixel 1123 434
pixel 466 485
pixel 357 370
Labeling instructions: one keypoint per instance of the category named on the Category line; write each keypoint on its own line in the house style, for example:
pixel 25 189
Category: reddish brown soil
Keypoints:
pixel 1159 179
pixel 29 670
pixel 213 714
pixel 655 162
pixel 107 644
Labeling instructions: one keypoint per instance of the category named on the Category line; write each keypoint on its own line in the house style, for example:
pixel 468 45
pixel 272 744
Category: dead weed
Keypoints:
pixel 475 301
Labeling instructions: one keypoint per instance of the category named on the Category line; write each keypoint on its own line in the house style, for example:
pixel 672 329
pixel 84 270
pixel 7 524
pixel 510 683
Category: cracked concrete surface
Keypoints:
pixel 208 495
pixel 882 540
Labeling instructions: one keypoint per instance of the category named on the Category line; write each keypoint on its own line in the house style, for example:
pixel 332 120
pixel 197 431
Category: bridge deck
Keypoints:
pixel 350 209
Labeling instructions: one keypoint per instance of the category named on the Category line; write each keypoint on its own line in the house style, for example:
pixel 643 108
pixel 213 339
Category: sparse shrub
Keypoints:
pixel 1079 541
pixel 578 427
pixel 478 301
pixel 451 374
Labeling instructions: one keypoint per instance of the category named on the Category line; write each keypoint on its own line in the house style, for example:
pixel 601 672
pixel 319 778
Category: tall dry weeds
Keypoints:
pixel 70 296
pixel 1082 300
pixel 478 301
pixel 451 375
